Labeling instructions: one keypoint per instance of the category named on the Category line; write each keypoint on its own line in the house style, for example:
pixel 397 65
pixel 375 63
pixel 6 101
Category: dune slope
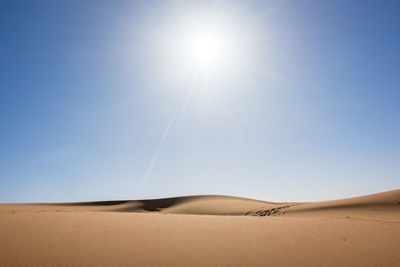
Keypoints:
pixel 201 205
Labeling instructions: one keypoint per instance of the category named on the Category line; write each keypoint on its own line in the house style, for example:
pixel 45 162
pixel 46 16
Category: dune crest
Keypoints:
pixel 385 204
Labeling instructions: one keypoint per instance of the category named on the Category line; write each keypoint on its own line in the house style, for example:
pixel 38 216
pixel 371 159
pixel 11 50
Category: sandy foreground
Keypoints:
pixel 191 231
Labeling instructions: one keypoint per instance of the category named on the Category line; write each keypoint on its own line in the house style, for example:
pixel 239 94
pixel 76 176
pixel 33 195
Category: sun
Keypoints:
pixel 206 49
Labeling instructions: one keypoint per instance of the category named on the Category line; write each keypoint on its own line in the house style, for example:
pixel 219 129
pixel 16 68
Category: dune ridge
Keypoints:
pixel 372 204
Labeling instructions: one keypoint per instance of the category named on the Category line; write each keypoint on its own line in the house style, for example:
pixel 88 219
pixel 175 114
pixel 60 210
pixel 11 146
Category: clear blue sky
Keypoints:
pixel 96 102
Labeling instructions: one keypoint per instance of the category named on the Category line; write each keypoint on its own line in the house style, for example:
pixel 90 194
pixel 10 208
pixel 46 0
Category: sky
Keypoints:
pixel 293 101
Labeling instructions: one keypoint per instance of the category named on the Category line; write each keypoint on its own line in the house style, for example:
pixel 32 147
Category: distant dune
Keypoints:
pixel 360 231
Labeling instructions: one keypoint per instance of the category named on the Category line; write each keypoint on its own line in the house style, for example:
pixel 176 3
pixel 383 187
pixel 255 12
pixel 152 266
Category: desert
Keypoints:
pixel 170 133
pixel 203 231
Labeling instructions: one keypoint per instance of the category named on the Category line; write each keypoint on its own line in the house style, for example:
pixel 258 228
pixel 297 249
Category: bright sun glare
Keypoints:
pixel 206 49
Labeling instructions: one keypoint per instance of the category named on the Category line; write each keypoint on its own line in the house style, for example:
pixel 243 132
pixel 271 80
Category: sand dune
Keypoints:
pixel 369 205
pixel 382 205
pixel 200 205
pixel 361 231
